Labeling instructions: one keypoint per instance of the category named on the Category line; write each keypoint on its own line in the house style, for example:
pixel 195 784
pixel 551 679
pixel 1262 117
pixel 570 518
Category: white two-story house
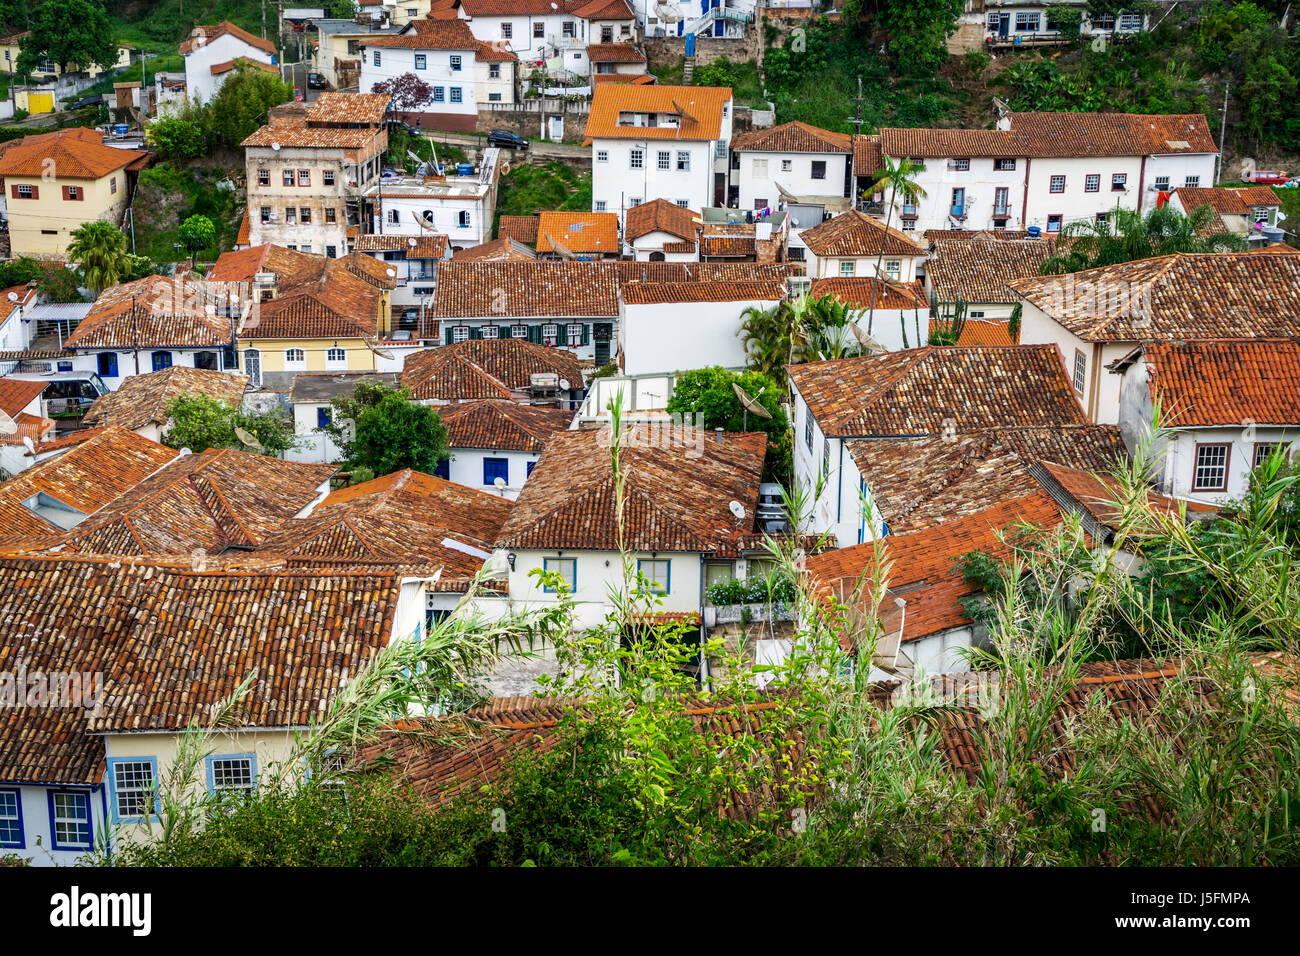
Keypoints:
pixel 555 33
pixel 808 169
pixel 442 54
pixel 212 52
pixel 658 142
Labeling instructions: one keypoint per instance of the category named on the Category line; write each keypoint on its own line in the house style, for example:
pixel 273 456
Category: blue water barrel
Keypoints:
pixel 121 129
pixel 464 169
pixel 1033 232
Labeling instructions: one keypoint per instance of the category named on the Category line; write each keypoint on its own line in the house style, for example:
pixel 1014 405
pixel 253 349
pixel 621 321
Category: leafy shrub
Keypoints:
pixel 756 589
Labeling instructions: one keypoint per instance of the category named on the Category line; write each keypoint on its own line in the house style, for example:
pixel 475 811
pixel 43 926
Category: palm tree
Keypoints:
pixel 900 178
pixel 768 336
pixel 100 249
pixel 824 329
pixel 1126 235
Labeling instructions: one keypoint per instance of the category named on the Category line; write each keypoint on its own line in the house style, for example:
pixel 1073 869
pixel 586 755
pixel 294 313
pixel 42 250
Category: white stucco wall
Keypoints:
pixel 437 72
pixel 200 83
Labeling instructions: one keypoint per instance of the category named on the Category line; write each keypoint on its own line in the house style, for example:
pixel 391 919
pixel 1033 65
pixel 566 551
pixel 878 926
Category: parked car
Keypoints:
pixel 398 124
pixel 298 94
pixel 87 101
pixel 316 81
pixel 503 137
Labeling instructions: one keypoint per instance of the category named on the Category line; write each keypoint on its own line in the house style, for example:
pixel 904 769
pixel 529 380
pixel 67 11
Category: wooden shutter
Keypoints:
pixel 13 191
pixel 448 335
pixel 36 192
pixel 65 192
pixel 535 333
pixel 586 333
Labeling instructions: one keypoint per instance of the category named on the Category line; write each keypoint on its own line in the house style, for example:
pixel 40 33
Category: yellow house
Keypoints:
pixel 309 313
pixel 11 46
pixel 55 182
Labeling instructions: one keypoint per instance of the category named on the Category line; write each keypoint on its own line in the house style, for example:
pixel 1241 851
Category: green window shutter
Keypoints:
pixel 586 333
pixel 447 334
pixel 535 333
pixel 476 333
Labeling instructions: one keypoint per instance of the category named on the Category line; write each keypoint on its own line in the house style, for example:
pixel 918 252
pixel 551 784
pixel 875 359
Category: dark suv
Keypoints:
pixel 503 137
pixel 316 81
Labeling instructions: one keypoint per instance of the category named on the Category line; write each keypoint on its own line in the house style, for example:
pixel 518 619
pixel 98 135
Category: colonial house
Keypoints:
pixel 658 141
pixel 994 24
pixel 718 18
pixel 212 52
pixel 497 250
pixel 76 776
pixel 153 324
pixel 311 399
pixel 461 207
pixel 309 168
pixel 851 244
pixel 578 235
pixel 498 438
pixel 807 169
pixel 21 417
pixel 662 231
pixel 690 501
pixel 70 483
pixel 483 369
pixel 852 416
pixel 415 259
pixel 56 182
pixel 615 62
pixel 1225 405
pixel 439 52
pixel 554 33
pixel 570 305
pixel 675 326
pixel 140 404
pixel 893 315
pixel 1043 170
pixel 971 276
pixel 337 53
pixel 308 312
pixel 1245 210
pixel 1096 317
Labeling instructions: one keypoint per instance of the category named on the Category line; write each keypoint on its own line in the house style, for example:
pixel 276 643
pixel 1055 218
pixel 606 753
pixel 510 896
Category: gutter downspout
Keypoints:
pixel 1024 200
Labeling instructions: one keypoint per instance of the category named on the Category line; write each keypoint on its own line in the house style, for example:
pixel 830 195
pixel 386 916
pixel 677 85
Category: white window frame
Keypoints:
pixel 1198 467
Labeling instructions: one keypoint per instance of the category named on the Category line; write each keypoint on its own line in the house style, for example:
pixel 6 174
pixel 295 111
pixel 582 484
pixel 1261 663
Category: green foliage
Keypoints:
pixel 554 185
pixel 197 233
pixel 200 422
pixel 743 78
pixel 168 194
pixel 343 9
pixel 68 32
pixel 56 282
pixel 709 392
pixel 175 138
pixel 240 106
pixel 759 589
pixel 917 32
pixel 1127 235
pixel 382 430
pixel 948 321
pixel 99 248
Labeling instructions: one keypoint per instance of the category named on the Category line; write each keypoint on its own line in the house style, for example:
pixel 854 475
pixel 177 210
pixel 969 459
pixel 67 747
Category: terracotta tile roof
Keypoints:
pixel 16 394
pixel 1257 195
pixel 502 424
pixel 676 496
pixel 854 233
pixel 1203 296
pixel 857 293
pixel 86 477
pixel 1276 249
pixel 631 79
pixel 211 501
pixel 981 332
pixel 300 135
pixel 496 51
pixel 927 558
pixel 520 228
pixel 67 441
pixel 143 399
pixel 614 53
pixel 866 155
pixel 919 482
pixel 429 35
pixel 245 231
pixel 228 65
pixel 600 9
pixel 1111 134
pixel 728 246
pixel 584 9
pixel 687 247
pixel 1226 382
pixel 152 312
pixel 203 35
pixel 171 643
pixel 944 143
pixel 34 427
pixel 516 289
pixel 578 231
pixel 1098 498
pixel 792 137
pixel 1220 200
pixel 428 247
pixel 74 155
pixel 650 293
pixel 406 517
pixel 321 387
pixel 495 250
pixel 660 215
pixel 912 392
pixel 484 368
pixel 628 271
pixel 700 109
pixel 978 271
pixel 978 235
pixel 331 108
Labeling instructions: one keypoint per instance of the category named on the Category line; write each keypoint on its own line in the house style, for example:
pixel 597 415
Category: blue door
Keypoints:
pixel 162 360
pixel 690 40
pixel 108 365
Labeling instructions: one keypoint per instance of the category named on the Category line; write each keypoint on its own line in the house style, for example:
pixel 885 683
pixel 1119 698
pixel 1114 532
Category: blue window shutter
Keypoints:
pixel 162 360
pixel 530 468
pixel 108 364
pixel 443 470
pixel 494 468
pixel 322 416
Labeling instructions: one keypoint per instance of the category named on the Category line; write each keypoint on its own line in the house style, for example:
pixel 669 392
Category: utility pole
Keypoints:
pixel 856 119
pixel 263 19
pixel 1223 131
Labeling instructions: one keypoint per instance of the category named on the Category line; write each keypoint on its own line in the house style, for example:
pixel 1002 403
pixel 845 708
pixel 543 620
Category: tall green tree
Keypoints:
pixel 99 248
pixel 899 177
pixel 382 430
pixel 1127 235
pixel 200 422
pixel 710 392
pixel 196 234
pixel 68 32
pixel 240 106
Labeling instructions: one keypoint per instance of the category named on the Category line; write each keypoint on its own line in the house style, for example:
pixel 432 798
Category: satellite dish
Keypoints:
pixel 499 482
pixel 737 509
pixel 276 147
pixel 382 353
pixel 29 444
pixel 249 439
pixel 183 452
pixel 13 296
pixel 749 402
pixel 410 242
pixel 391 273
pixel 564 384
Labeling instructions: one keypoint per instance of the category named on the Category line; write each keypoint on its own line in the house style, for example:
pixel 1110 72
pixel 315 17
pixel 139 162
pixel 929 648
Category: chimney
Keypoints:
pixel 718 432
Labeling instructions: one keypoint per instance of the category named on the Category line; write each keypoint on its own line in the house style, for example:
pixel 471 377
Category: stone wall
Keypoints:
pixel 527 120
pixel 667 52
